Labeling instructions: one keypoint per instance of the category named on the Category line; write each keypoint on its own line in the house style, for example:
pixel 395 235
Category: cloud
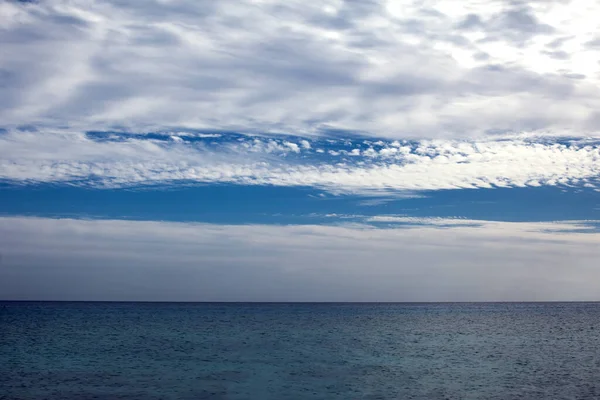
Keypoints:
pixel 432 69
pixel 67 259
pixel 357 166
pixel 495 226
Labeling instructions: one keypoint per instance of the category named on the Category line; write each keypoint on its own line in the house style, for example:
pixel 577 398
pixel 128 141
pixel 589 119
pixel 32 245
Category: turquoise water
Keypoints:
pixel 299 351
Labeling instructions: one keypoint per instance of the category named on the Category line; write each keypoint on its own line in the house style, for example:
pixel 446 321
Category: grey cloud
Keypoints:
pixel 557 43
pixel 50 259
pixel 558 55
pixel 593 120
pixel 457 40
pixel 515 24
pixel 593 44
pixel 482 56
pixel 575 76
pixel 287 67
pixel 174 11
pixel 471 21
pixel 432 12
pixel 522 20
pixel 404 85
pixel 296 60
pixel 348 16
pixel 495 80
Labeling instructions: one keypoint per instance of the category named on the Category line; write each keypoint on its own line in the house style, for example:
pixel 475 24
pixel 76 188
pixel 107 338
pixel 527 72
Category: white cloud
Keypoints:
pixel 425 69
pixel 565 227
pixel 425 165
pixel 292 146
pixel 146 260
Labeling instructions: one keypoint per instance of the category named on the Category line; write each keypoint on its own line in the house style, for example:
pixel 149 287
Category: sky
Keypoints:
pixel 422 150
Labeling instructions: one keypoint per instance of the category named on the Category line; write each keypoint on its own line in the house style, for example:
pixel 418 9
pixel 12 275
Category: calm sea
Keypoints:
pixel 299 351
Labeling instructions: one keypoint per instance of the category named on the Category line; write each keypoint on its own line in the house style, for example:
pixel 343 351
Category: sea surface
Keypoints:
pixel 299 351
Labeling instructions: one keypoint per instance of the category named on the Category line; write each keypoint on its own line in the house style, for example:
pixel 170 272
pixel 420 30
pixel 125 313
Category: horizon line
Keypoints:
pixel 302 302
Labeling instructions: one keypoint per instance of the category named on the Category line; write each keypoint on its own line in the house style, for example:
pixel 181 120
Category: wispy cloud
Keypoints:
pixel 513 228
pixel 146 260
pixel 420 69
pixel 120 160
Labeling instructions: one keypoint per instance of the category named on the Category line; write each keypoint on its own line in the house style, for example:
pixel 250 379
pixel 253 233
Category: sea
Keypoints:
pixel 218 351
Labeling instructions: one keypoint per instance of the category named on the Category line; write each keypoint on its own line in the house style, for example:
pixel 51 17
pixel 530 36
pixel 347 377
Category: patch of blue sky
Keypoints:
pixel 240 204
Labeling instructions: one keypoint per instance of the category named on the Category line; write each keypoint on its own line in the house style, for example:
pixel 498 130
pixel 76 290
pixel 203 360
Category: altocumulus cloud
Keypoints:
pixel 336 165
pixel 416 69
pixel 66 259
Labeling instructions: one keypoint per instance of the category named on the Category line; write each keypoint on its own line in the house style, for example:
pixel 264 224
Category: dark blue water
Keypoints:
pixel 299 351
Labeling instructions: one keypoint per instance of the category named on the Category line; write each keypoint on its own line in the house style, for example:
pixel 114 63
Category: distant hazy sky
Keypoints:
pixel 300 151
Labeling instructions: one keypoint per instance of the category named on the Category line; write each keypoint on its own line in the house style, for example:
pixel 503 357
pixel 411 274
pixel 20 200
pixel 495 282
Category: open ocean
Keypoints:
pixel 299 351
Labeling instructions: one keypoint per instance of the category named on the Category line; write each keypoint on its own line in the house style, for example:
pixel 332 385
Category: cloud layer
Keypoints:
pixel 65 259
pixel 422 69
pixel 363 97
pixel 337 165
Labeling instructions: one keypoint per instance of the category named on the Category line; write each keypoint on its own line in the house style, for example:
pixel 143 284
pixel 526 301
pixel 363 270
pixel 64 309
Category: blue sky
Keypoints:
pixel 268 151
